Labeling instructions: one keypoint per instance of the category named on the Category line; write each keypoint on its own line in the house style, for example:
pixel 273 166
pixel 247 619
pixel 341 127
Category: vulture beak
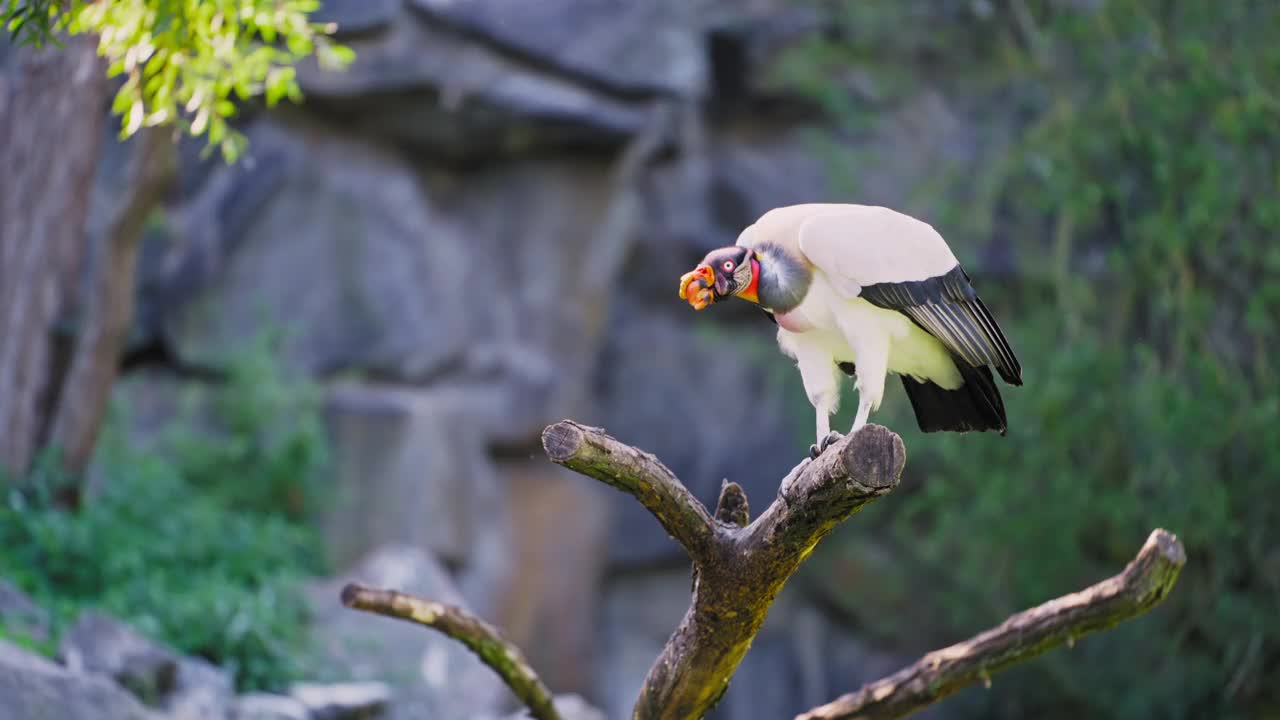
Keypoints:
pixel 696 287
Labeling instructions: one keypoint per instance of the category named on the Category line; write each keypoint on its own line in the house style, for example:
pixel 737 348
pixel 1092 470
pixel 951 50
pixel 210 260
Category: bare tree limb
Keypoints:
pixel 591 452
pixel 738 570
pixel 738 584
pixel 95 361
pixel 480 637
pixel 1143 583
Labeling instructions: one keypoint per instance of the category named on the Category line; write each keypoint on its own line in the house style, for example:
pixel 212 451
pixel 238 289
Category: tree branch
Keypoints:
pixel 480 637
pixel 108 311
pixel 591 452
pixel 1143 583
pixel 738 570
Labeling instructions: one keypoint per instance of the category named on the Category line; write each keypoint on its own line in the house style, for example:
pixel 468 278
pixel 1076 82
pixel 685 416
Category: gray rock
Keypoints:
pixel 202 691
pixel 378 268
pixel 357 16
pixel 633 47
pixel 431 675
pixel 19 613
pixel 101 644
pixel 409 468
pixel 264 706
pixel 344 252
pixel 756 169
pixel 549 602
pixel 570 707
pixel 32 688
pixel 343 701
pixel 431 91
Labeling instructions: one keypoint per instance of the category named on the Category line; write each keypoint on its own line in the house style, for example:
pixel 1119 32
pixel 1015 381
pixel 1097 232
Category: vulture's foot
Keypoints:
pixel 822 445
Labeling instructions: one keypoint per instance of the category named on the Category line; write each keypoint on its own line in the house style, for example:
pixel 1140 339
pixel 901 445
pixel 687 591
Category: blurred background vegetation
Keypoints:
pixel 1140 204
pixel 199 537
pixel 1117 203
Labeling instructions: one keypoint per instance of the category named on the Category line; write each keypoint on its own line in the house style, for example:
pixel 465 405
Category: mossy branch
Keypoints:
pixel 480 637
pixel 739 567
pixel 591 452
pixel 1144 583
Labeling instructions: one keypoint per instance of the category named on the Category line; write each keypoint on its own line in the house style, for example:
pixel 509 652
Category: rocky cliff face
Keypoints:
pixel 476 231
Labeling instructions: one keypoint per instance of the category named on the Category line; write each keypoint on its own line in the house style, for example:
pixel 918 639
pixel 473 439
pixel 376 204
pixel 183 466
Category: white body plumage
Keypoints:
pixel 886 294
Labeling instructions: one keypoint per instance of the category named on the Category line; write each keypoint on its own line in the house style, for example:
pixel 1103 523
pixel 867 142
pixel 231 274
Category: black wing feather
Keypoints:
pixel 974 406
pixel 948 308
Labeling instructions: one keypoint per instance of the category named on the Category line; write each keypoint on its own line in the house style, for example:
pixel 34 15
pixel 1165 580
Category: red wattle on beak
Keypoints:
pixel 695 286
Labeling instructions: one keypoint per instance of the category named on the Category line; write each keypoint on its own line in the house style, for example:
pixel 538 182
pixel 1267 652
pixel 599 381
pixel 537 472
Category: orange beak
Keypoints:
pixel 695 286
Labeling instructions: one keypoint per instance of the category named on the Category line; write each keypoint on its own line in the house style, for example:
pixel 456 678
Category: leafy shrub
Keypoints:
pixel 1143 201
pixel 186 543
pixel 266 451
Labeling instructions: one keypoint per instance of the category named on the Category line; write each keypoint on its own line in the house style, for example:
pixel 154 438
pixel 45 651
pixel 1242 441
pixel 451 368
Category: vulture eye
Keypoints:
pixel 728 266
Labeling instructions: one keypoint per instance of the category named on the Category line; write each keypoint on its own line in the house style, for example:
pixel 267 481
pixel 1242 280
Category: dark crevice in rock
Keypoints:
pixel 476 136
pixel 727 53
pixel 474 32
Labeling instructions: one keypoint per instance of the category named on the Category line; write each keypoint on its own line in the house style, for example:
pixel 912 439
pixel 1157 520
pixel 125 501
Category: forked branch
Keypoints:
pixel 1144 583
pixel 739 567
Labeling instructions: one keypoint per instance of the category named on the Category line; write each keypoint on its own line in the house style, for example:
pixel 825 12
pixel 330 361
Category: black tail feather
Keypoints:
pixel 974 406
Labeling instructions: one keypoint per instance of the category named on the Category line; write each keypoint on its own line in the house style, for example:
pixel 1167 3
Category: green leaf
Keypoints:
pixel 197 54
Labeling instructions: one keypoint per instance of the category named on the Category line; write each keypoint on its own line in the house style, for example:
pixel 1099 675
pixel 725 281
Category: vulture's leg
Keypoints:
pixel 821 383
pixel 872 351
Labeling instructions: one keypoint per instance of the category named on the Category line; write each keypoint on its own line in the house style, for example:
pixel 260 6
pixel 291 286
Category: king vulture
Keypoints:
pixel 867 291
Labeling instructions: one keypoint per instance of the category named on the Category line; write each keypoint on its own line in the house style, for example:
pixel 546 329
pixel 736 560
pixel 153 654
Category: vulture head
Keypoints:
pixel 726 272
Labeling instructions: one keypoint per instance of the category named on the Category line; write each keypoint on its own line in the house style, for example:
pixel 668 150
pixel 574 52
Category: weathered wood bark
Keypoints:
pixel 479 636
pixel 591 452
pixel 108 309
pixel 1144 582
pixel 51 114
pixel 738 570
pixel 52 106
pixel 740 566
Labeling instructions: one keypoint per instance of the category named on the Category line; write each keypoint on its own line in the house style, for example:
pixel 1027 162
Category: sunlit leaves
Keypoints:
pixel 189 62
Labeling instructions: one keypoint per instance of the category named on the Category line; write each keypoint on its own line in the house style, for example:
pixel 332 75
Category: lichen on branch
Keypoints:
pixel 479 636
pixel 740 566
pixel 1143 583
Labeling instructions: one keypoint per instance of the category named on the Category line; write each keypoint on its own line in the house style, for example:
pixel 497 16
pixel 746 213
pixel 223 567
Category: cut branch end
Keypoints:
pixel 594 453
pixel 873 458
pixel 563 440
pixel 733 508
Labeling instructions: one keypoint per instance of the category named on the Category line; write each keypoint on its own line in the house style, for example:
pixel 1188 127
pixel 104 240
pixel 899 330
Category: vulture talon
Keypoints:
pixel 831 439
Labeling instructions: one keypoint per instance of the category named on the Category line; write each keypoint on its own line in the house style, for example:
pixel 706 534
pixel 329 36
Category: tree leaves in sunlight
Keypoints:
pixel 188 63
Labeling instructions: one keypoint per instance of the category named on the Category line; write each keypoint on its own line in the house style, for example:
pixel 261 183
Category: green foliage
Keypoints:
pixel 188 62
pixel 1143 203
pixel 267 428
pixel 198 556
